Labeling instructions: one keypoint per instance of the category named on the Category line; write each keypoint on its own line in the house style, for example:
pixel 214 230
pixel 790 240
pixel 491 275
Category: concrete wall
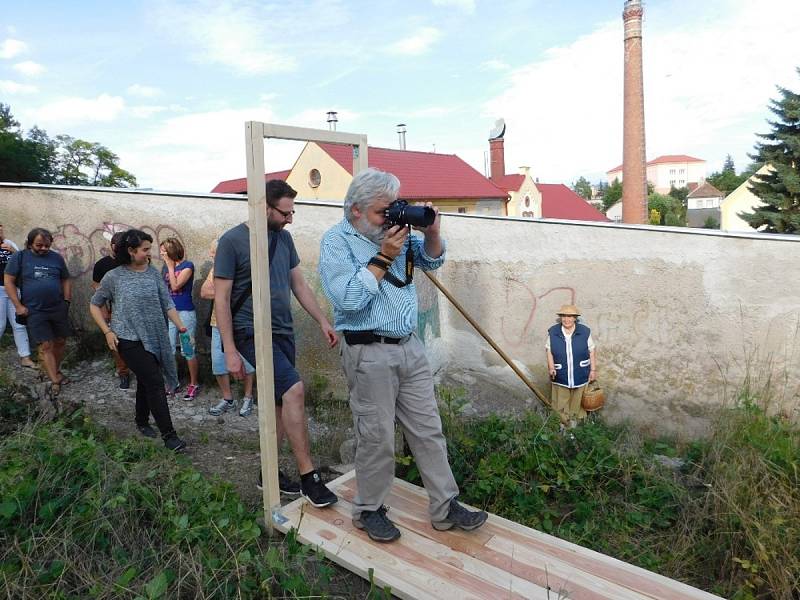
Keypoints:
pixel 680 317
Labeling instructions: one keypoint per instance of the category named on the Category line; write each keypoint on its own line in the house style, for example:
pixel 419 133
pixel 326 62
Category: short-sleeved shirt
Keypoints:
pixel 101 267
pixel 183 297
pixel 41 278
pixel 6 254
pixel 233 262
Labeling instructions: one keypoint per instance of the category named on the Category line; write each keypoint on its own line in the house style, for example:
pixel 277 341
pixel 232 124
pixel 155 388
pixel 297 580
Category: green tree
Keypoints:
pixel 679 193
pixel 65 160
pixel 583 188
pixel 671 210
pixel 727 180
pixel 779 189
pixel 612 195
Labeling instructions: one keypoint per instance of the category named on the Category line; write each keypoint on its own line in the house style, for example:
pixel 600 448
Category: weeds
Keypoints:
pixel 728 521
pixel 87 515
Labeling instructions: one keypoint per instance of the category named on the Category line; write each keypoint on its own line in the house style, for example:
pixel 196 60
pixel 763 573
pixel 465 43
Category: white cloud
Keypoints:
pixel 29 68
pixel 416 44
pixel 194 152
pixel 145 112
pixel 12 87
pixel 706 84
pixel 11 48
pixel 239 37
pixel 468 6
pixel 494 65
pixel 104 108
pixel 143 91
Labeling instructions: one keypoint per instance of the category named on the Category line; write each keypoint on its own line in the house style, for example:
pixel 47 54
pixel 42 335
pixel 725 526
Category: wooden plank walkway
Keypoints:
pixel 500 560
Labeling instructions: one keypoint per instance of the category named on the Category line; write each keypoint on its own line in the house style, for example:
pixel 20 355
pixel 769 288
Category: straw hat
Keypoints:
pixel 568 310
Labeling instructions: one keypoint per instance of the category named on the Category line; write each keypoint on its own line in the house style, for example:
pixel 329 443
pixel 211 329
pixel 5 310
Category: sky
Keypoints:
pixel 168 85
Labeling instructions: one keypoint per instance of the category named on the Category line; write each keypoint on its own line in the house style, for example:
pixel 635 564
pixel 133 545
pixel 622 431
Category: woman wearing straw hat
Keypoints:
pixel 570 362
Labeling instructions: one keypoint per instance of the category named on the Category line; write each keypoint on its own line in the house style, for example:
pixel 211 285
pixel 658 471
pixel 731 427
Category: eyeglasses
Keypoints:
pixel 286 213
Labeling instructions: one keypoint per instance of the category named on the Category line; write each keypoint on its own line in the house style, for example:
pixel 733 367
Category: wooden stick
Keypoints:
pixel 262 318
pixel 486 336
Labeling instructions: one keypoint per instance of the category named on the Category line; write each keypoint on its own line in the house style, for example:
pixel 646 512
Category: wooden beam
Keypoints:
pixel 262 318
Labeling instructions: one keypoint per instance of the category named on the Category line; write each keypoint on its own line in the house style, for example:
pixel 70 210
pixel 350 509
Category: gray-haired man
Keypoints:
pixel 384 361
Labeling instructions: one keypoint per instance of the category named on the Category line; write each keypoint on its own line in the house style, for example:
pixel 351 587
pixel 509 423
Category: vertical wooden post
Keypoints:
pixel 262 318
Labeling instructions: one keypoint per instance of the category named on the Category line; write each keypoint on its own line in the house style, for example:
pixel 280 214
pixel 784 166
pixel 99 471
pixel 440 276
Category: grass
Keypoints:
pixel 728 521
pixel 87 515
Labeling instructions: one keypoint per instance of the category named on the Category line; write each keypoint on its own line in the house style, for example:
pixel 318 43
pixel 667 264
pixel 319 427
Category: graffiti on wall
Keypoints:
pixel 81 250
pixel 557 296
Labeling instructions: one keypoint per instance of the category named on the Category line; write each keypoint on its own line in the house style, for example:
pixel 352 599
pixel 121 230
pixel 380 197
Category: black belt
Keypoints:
pixel 368 337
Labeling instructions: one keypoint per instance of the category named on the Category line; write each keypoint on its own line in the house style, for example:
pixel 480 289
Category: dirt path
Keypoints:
pixel 226 447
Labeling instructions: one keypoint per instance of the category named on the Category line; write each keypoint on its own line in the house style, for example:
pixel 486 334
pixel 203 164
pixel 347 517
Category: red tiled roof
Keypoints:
pixel 239 186
pixel 666 158
pixel 510 183
pixel 706 190
pixel 560 202
pixel 423 174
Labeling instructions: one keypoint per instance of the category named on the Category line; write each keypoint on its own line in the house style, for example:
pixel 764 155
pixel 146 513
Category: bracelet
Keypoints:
pixel 377 262
pixel 389 258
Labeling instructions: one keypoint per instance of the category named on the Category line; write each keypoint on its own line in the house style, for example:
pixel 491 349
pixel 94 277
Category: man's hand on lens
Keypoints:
pixel 394 240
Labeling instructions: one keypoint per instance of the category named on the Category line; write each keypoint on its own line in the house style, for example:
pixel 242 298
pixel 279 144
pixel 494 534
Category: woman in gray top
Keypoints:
pixel 138 330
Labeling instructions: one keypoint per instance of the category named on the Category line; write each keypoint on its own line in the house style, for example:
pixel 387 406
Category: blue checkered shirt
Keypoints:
pixel 360 302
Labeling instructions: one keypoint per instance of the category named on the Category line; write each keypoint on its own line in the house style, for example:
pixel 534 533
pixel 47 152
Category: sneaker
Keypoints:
pixel 377 525
pixel 285 485
pixel 460 517
pixel 316 492
pixel 247 407
pixel 124 382
pixel 174 443
pixel 221 407
pixel 191 392
pixel 147 431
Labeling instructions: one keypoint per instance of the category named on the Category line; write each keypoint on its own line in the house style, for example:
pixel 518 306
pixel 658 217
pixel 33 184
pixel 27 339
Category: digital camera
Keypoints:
pixel 402 213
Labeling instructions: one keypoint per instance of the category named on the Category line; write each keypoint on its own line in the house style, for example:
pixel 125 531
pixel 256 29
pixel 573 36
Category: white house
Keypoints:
pixel 670 170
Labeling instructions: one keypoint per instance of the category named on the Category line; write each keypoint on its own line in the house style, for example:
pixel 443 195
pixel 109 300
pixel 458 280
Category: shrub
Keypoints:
pixel 86 515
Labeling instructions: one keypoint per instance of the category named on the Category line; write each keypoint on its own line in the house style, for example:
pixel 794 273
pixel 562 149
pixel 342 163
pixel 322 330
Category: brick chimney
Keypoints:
pixel 634 163
pixel 497 159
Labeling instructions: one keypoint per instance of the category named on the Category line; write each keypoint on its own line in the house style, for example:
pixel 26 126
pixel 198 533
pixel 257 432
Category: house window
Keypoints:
pixel 462 210
pixel 682 182
pixel 682 171
pixel 527 201
pixel 314 178
pixel 672 172
pixel 671 182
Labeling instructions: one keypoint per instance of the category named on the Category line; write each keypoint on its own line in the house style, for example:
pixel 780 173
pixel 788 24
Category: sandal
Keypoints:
pixel 64 380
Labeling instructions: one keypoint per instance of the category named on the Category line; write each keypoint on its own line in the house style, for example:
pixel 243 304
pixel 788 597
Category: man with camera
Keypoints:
pixel 233 302
pixel 366 267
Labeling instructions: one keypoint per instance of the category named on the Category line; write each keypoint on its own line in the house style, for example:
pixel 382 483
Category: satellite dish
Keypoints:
pixel 499 130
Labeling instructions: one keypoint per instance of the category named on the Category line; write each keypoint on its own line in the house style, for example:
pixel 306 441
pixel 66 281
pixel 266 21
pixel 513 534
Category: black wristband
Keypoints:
pixel 388 258
pixel 377 262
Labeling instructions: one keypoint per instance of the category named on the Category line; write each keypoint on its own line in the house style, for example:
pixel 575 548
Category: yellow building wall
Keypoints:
pixel 740 200
pixel 516 204
pixel 334 179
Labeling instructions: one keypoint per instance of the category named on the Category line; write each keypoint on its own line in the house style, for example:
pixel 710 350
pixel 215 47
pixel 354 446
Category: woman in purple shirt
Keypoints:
pixel 178 274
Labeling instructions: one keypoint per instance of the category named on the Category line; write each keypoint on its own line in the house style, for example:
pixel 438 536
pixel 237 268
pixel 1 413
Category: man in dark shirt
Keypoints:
pixel 101 267
pixel 234 305
pixel 46 293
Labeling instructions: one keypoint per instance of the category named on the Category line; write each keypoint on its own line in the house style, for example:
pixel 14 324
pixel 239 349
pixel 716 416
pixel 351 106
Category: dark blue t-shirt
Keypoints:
pixel 183 297
pixel 41 278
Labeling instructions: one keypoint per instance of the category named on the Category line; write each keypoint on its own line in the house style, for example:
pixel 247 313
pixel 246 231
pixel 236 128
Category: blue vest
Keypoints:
pixel 572 364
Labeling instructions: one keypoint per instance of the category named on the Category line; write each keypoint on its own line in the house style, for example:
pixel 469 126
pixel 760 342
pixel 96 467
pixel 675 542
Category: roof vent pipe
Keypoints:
pixel 401 133
pixel 332 120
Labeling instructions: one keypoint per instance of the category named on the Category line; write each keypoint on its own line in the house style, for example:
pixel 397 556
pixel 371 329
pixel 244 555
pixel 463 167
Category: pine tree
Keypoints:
pixel 779 189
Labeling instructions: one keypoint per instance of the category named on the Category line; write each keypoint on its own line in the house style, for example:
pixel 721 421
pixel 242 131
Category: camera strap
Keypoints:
pixel 409 267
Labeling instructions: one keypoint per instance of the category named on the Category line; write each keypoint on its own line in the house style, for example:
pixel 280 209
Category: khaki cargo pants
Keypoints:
pixel 388 383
